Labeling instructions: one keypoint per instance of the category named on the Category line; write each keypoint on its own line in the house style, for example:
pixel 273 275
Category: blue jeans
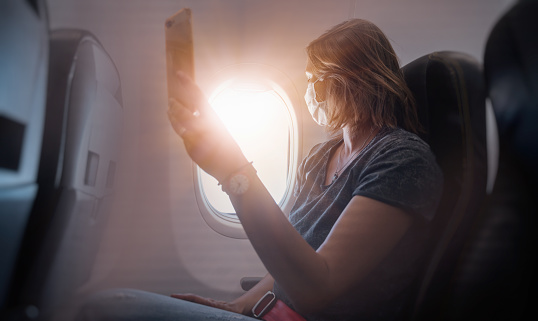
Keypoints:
pixel 128 304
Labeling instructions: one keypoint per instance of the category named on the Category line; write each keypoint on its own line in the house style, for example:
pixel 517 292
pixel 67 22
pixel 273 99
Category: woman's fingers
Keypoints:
pixel 191 297
pixel 204 301
pixel 194 298
pixel 205 137
pixel 182 118
pixel 189 94
pixel 199 133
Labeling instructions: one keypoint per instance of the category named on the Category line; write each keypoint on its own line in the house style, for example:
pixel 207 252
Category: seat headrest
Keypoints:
pixel 511 69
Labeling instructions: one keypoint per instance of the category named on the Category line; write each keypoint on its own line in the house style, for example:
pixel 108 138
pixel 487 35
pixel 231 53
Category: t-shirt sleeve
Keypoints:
pixel 404 174
pixel 299 179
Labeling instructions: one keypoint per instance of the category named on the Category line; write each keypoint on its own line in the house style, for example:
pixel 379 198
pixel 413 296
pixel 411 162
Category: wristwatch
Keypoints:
pixel 238 182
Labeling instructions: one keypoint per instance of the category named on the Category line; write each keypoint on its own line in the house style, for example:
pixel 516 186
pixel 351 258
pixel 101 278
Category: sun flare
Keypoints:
pixel 258 119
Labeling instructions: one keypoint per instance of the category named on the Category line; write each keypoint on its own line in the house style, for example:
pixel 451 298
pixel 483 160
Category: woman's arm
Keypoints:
pixel 363 235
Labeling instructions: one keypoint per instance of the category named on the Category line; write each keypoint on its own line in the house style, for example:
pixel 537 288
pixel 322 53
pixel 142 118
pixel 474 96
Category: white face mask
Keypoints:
pixel 316 109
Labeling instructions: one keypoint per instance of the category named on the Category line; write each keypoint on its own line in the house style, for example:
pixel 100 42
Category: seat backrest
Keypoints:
pixel 496 279
pixel 450 94
pixel 23 84
pixel 80 155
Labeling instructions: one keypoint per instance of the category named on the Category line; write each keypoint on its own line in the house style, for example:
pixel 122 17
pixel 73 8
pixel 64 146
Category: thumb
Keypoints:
pixel 187 297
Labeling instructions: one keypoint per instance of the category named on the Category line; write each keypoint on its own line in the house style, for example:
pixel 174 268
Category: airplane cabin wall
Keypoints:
pixel 156 239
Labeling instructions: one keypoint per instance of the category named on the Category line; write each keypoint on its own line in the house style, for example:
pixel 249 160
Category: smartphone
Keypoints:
pixel 179 48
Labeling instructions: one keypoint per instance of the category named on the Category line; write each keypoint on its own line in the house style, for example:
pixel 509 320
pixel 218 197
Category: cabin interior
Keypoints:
pixel 97 191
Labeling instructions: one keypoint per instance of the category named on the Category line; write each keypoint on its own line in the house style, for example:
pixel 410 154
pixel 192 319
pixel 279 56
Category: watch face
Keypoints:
pixel 239 184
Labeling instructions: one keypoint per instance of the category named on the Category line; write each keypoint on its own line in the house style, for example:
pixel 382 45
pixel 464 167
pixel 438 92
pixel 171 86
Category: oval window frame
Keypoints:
pixel 228 224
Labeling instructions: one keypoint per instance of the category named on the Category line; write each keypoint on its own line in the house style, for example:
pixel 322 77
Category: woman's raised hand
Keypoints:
pixel 206 139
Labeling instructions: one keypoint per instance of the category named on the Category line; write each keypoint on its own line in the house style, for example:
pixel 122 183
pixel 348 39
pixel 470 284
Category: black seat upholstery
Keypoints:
pixel 24 50
pixel 450 94
pixel 77 168
pixel 497 278
pixel 511 69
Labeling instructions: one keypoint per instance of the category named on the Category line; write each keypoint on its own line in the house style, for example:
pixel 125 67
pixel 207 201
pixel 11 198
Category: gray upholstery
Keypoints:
pixel 23 83
pixel 77 169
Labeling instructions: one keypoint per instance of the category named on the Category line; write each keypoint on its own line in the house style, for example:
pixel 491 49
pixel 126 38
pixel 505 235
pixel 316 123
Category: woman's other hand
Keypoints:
pixel 228 306
pixel 206 139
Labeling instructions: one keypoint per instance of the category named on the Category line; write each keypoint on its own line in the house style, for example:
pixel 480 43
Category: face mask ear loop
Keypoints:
pixel 314 88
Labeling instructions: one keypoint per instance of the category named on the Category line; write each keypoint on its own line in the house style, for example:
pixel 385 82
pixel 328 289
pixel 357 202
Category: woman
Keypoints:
pixel 355 237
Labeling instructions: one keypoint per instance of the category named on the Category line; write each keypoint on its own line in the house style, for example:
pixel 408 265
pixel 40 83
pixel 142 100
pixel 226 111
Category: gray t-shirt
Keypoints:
pixel 396 168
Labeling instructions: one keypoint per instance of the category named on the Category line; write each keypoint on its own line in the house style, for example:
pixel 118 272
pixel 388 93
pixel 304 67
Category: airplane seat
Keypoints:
pixel 77 169
pixel 497 279
pixel 450 93
pixel 24 43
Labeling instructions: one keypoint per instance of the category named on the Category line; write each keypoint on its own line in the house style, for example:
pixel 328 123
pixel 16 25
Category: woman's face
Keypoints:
pixel 319 86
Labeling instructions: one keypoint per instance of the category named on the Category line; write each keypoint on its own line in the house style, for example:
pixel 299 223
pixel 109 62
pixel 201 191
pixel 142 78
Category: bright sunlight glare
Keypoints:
pixel 259 121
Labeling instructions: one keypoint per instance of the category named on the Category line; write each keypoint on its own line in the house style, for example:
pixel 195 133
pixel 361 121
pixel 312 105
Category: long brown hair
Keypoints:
pixel 362 77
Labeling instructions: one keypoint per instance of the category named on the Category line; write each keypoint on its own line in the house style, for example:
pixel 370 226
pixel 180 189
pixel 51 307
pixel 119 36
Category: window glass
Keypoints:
pixel 261 122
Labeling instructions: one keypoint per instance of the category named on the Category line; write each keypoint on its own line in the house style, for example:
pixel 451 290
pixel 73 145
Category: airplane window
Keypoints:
pixel 262 122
